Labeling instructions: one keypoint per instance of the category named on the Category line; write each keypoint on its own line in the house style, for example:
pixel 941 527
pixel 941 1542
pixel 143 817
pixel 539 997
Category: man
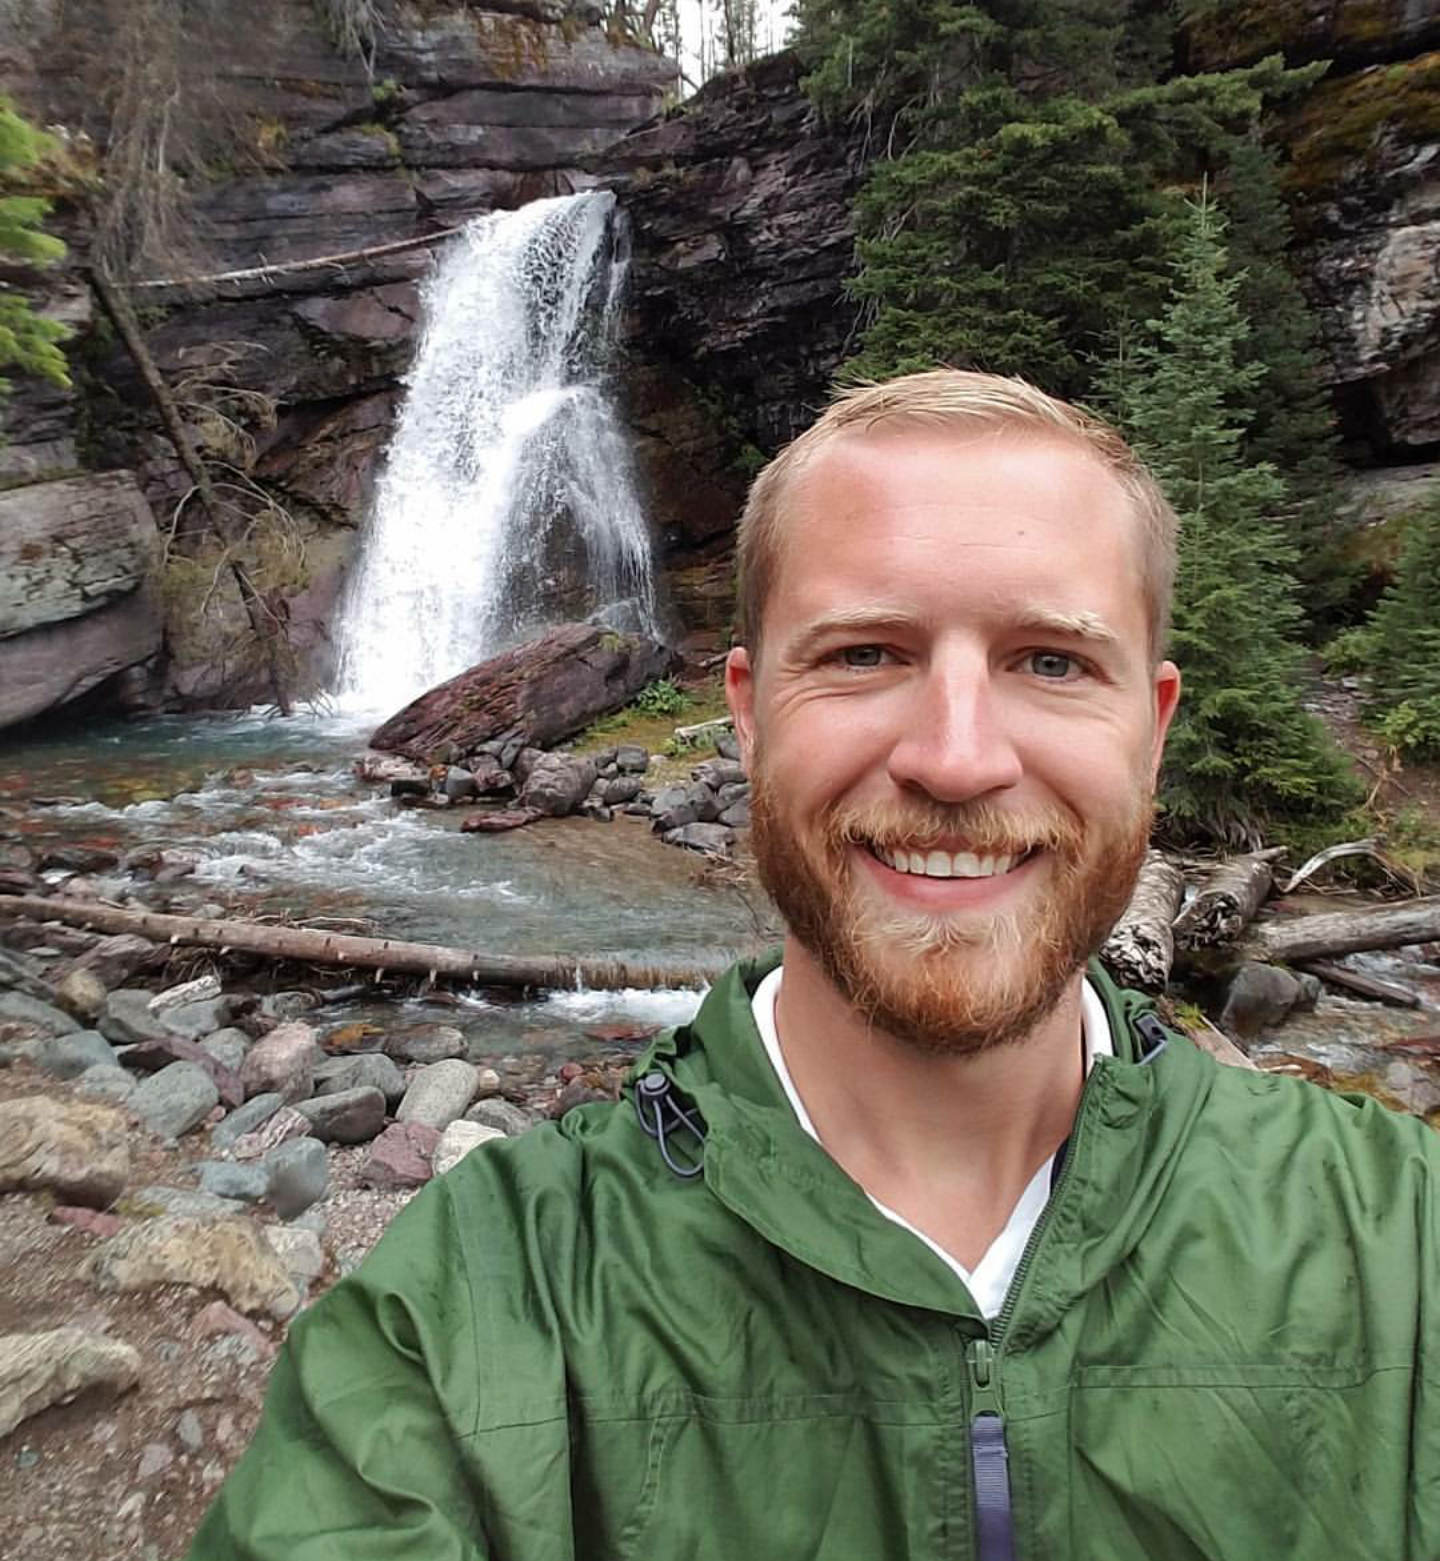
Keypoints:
pixel 923 1242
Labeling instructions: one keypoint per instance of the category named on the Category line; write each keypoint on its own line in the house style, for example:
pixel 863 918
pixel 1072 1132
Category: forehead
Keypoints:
pixel 934 510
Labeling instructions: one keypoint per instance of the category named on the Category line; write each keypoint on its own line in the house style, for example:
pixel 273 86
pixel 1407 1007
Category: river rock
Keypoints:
pixel 42 1017
pixel 229 1179
pixel 439 1093
pixel 82 993
pixel 68 1056
pixel 196 1020
pixel 458 1140
pixel 229 1047
pixel 557 784
pixel 711 839
pixel 289 1005
pixel 128 1019
pixel 425 1043
pixel 227 1255
pixel 632 759
pixel 490 777
pixel 245 1119
pixel 191 1203
pixel 350 1116
pixel 737 815
pixel 458 785
pixel 299 1175
pixel 41 1369
pixel 283 1127
pixel 496 821
pixel 176 1100
pixel 152 1056
pixel 504 1115
pixel 117 958
pixel 400 1158
pixel 1259 996
pixel 716 773
pixel 76 1149
pixel 201 989
pixel 366 1070
pixel 283 1062
pixel 299 1252
pixel 543 691
pixel 381 768
pixel 107 1082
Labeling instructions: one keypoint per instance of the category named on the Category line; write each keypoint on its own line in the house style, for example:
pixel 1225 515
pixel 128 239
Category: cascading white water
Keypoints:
pixel 507 498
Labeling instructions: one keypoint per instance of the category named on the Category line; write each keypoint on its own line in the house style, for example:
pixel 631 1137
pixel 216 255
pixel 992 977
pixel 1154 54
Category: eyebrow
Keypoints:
pixel 1086 626
pixel 1082 625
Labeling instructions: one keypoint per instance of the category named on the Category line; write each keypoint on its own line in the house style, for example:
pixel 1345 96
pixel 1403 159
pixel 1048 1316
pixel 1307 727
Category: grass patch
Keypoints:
pixel 654 729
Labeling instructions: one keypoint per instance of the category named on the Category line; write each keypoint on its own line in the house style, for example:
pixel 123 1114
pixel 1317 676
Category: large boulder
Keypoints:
pixel 77 606
pixel 79 1151
pixel 543 691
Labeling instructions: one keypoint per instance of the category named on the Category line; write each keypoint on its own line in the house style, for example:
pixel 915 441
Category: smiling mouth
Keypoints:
pixel 949 864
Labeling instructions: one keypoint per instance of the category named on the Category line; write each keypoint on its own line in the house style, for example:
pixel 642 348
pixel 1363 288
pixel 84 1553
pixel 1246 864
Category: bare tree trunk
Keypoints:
pixel 1141 949
pixel 263 621
pixel 1346 932
pixel 1229 902
pixel 309 946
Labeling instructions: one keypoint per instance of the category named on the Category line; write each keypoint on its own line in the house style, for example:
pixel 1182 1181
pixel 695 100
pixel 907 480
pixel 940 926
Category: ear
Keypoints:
pixel 1167 697
pixel 740 696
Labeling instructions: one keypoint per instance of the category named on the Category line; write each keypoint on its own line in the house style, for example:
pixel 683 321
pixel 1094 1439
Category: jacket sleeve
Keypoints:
pixel 362 1452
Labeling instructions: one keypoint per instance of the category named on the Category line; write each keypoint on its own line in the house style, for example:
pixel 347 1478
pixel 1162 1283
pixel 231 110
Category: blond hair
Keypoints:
pixel 968 402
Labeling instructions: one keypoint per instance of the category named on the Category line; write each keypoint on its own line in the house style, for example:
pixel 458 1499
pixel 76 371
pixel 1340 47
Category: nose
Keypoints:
pixel 955 742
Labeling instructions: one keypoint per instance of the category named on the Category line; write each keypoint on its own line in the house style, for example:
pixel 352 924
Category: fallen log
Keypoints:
pixel 1362 985
pixel 435 961
pixel 1229 901
pixel 1298 938
pixel 1209 1038
pixel 1141 949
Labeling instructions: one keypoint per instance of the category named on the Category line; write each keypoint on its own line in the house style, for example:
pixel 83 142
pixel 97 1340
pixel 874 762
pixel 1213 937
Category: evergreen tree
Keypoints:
pixel 1243 753
pixel 26 339
pixel 1404 642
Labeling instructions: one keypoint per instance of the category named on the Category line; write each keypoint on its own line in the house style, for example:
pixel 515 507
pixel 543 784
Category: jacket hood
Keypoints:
pixel 1133 1119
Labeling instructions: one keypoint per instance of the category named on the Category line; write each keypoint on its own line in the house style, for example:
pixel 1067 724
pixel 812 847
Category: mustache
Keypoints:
pixel 923 824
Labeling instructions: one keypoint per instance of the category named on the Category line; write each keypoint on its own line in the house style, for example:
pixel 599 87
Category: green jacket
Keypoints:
pixel 1221 1343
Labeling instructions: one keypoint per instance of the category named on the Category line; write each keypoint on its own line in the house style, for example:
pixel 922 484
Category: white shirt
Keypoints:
pixel 991 1276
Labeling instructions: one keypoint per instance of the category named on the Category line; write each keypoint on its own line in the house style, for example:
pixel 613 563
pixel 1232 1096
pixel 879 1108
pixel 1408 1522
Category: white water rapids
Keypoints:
pixel 507 500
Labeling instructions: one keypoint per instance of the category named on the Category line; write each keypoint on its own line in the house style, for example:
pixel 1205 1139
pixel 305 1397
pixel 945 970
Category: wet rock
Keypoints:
pixel 351 1116
pixel 82 993
pixel 458 1140
pixel 1259 996
pixel 368 1070
pixel 497 821
pixel 41 1369
pixel 128 1019
pixel 712 839
pixel 438 1094
pixel 185 1202
pixel 411 786
pixel 557 784
pixel 458 785
pixel 425 1043
pixel 299 1175
pixel 577 1093
pixel 288 1005
pixel 283 1062
pixel 380 768
pixel 76 1149
pixel 46 1018
pixel 228 1255
pixel 229 1047
pixel 106 1082
pixel 283 1127
pixel 299 1252
pixel 245 1119
pixel 68 1056
pixel 490 777
pixel 508 1118
pixel 176 1100
pixel 228 1179
pixel 401 1156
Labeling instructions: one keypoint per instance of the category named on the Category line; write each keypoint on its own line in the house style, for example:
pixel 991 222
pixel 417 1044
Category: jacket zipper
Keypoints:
pixel 989 1454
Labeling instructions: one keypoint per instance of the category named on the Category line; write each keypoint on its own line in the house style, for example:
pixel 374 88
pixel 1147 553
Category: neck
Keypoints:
pixel 950 1142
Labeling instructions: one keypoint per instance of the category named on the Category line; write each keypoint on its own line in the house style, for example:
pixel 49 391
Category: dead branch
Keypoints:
pixel 1141 949
pixel 1228 903
pixel 1298 938
pixel 311 946
pixel 1362 985
pixel 1215 1041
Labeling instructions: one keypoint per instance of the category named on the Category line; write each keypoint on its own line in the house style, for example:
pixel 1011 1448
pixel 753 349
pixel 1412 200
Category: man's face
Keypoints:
pixel 953 725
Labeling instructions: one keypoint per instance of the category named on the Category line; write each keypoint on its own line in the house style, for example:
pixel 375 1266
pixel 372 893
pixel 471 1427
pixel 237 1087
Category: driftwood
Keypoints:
pixel 1300 938
pixel 432 960
pixel 1328 855
pixel 1141 949
pixel 290 267
pixel 263 622
pixel 1228 903
pixel 1215 1041
pixel 1362 985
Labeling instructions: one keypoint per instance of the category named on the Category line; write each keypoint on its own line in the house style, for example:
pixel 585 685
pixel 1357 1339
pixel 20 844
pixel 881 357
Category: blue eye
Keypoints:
pixel 1052 664
pixel 862 656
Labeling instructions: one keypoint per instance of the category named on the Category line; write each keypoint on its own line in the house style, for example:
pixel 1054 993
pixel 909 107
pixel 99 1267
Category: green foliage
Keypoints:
pixel 1404 637
pixel 27 339
pixel 662 697
pixel 1243 754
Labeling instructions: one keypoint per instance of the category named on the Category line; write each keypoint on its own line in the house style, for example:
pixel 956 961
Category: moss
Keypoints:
pixel 1344 123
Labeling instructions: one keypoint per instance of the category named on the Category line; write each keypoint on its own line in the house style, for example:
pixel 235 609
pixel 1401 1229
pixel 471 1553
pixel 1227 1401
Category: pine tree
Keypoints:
pixel 1404 641
pixel 1243 754
pixel 27 340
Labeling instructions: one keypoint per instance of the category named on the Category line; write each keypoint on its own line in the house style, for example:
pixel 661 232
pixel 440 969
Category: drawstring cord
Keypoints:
pixel 661 1114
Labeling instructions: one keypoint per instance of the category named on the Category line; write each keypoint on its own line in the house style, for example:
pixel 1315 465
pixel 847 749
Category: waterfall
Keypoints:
pixel 507 499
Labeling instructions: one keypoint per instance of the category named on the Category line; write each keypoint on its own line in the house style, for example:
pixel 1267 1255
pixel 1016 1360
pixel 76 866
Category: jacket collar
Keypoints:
pixel 768 1171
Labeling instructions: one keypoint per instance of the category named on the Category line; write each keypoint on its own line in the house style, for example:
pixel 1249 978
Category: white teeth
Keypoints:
pixel 944 864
